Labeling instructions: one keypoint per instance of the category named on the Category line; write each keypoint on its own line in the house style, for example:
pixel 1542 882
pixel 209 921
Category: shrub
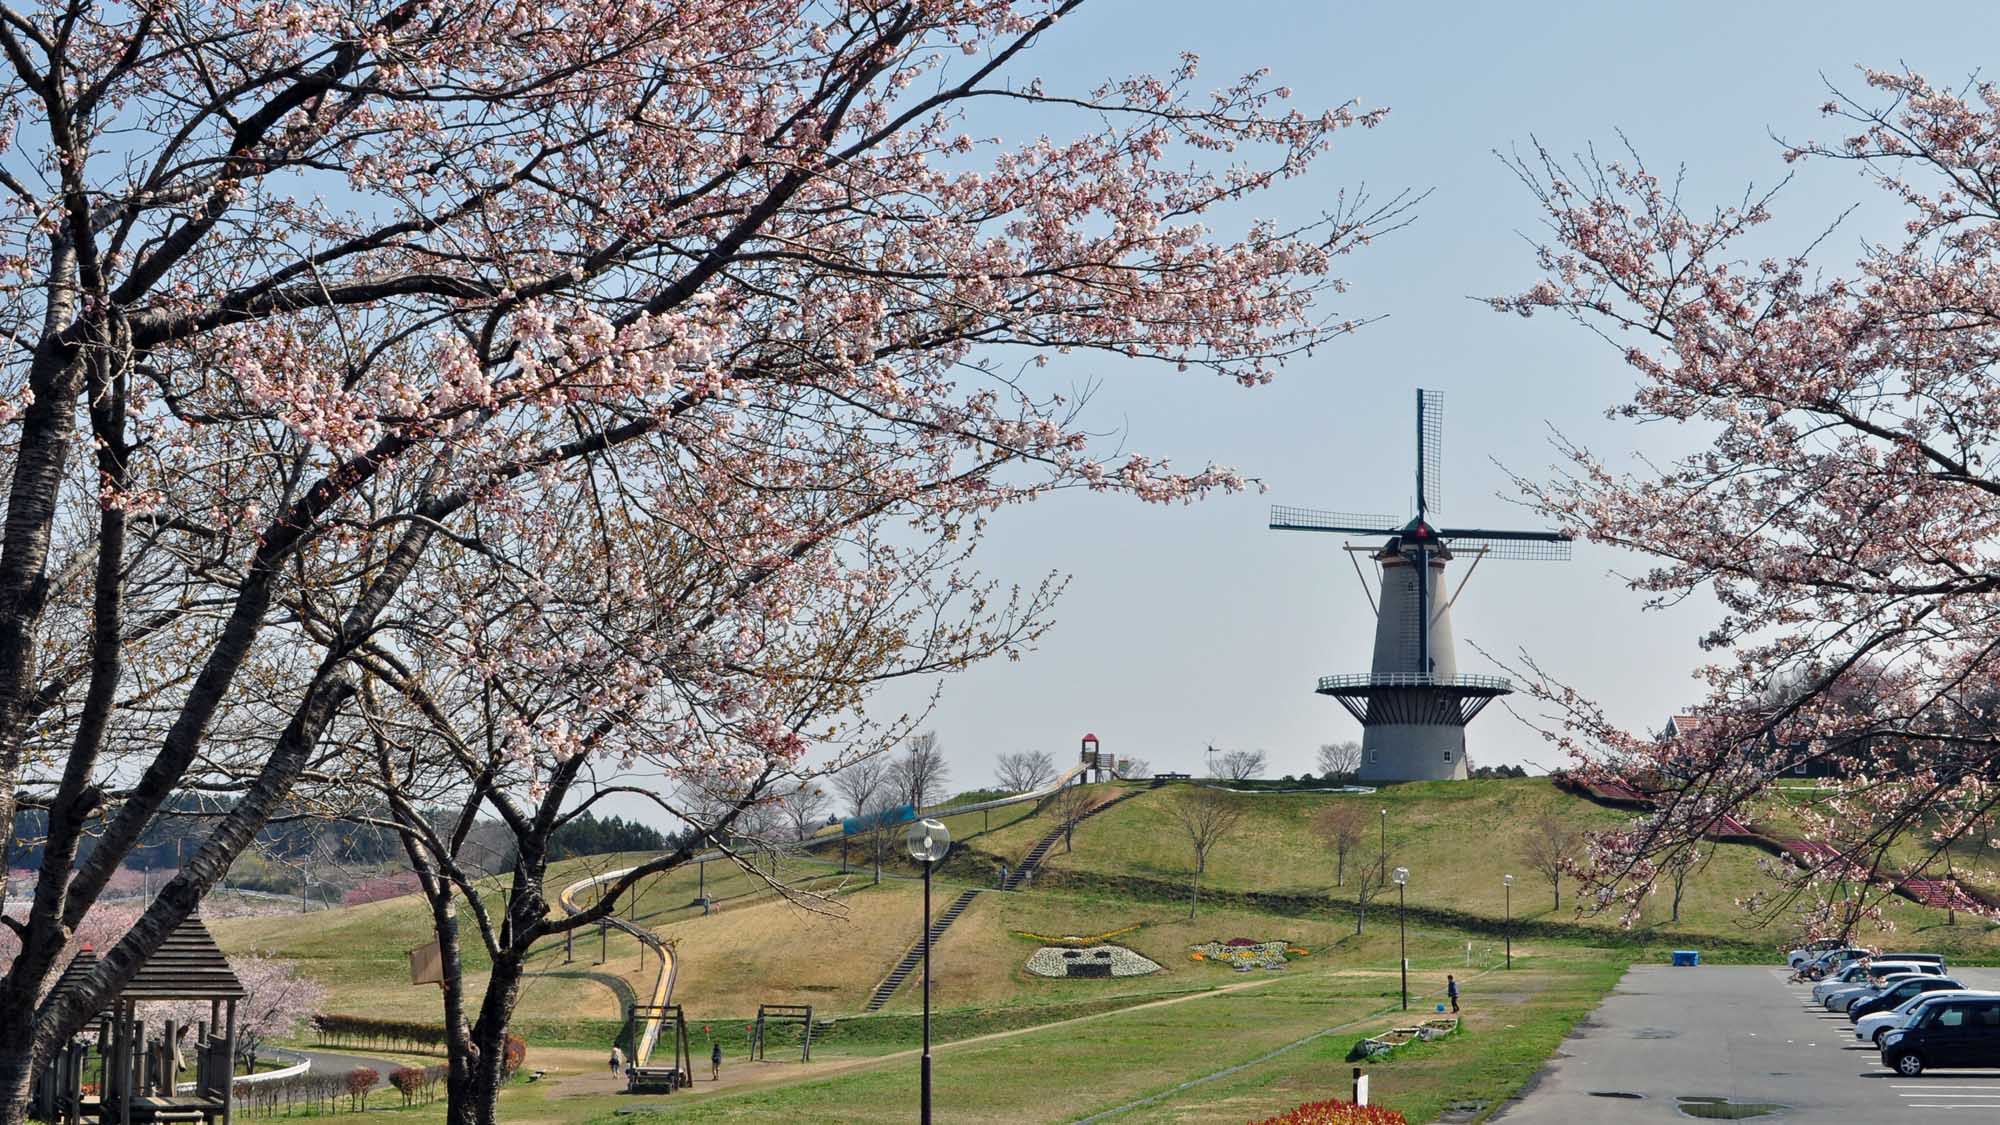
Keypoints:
pixel 516 1054
pixel 407 1080
pixel 360 1080
pixel 1337 1113
pixel 337 1030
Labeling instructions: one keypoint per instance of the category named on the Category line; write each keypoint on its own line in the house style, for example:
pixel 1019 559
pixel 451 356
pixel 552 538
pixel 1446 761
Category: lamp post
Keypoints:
pixel 1403 935
pixel 1385 837
pixel 1508 882
pixel 929 841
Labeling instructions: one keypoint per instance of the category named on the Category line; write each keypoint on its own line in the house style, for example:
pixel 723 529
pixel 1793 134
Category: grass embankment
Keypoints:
pixel 1458 839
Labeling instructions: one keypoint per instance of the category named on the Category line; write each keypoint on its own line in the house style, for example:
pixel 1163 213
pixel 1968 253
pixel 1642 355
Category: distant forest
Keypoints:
pixel 324 842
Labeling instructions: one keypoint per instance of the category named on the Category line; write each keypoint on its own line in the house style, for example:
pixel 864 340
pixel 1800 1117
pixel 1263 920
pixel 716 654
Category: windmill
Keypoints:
pixel 1413 705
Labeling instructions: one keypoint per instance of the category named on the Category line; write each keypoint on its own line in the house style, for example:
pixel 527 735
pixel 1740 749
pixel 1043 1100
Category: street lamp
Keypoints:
pixel 1508 882
pixel 929 841
pixel 1385 838
pixel 1403 935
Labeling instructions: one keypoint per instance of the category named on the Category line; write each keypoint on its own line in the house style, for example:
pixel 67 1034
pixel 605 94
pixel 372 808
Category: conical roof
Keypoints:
pixel 188 966
pixel 78 968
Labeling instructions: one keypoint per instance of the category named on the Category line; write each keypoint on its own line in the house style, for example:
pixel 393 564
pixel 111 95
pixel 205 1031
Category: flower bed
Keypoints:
pixel 1094 961
pixel 1243 954
pixel 1337 1113
pixel 1075 941
pixel 1402 1036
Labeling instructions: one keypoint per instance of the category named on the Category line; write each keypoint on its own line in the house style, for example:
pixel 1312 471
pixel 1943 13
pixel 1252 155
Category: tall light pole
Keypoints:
pixel 1385 838
pixel 929 841
pixel 1403 935
pixel 1508 882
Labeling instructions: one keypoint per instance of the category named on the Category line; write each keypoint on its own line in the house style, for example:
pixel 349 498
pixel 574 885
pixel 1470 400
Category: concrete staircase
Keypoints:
pixel 942 922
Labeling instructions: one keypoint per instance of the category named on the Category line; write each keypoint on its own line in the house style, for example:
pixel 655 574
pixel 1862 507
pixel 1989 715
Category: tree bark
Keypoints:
pixel 27 1045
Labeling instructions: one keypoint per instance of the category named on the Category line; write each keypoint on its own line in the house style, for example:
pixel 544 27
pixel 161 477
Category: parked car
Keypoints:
pixel 1925 958
pixel 1831 961
pixel 1859 973
pixel 1811 951
pixel 1866 989
pixel 1895 994
pixel 1847 976
pixel 1878 976
pixel 1871 1028
pixel 1958 1032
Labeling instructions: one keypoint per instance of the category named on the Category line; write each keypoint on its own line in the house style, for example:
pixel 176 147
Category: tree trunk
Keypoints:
pixel 1340 868
pixel 1557 885
pixel 474 1095
pixel 1360 914
pixel 17 1068
pixel 1195 899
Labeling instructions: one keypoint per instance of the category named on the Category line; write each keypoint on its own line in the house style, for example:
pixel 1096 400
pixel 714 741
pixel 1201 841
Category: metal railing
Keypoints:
pixel 1415 680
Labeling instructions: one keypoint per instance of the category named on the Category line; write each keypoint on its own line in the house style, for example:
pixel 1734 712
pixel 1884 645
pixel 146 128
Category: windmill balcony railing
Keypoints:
pixel 1331 684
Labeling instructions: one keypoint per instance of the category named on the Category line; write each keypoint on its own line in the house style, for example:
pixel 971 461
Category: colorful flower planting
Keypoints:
pixel 1244 954
pixel 1092 961
pixel 1075 941
pixel 1337 1113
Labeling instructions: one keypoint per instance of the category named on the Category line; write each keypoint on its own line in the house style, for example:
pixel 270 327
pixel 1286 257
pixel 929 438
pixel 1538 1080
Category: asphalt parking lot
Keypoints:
pixel 1740 1033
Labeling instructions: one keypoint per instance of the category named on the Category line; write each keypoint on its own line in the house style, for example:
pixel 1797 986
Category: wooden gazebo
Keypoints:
pixel 140 1076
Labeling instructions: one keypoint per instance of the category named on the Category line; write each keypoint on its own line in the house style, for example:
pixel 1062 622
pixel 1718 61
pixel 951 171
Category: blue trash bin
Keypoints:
pixel 1687 958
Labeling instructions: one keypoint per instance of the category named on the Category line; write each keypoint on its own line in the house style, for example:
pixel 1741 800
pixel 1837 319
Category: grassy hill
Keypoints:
pixel 1069 1046
pixel 1270 879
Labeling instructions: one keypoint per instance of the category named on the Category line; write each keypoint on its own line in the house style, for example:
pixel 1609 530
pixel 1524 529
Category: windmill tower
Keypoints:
pixel 1413 705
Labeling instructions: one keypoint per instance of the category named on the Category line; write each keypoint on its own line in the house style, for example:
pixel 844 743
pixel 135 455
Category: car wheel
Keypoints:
pixel 1879 1033
pixel 1909 1066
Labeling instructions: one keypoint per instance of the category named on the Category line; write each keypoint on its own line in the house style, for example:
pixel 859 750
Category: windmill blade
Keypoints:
pixel 1312 519
pixel 1528 546
pixel 1430 448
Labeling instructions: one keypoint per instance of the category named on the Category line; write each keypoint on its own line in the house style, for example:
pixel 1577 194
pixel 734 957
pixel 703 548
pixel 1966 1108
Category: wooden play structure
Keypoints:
pixel 801 1014
pixel 645 1076
pixel 137 1077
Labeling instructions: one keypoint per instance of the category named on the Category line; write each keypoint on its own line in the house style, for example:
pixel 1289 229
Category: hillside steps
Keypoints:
pixel 908 963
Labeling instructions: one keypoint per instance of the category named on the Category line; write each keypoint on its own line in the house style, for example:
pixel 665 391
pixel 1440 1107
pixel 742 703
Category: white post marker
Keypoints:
pixel 1360 1087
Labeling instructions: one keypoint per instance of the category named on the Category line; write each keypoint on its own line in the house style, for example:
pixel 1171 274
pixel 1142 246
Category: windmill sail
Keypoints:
pixel 1552 548
pixel 1313 519
pixel 1430 449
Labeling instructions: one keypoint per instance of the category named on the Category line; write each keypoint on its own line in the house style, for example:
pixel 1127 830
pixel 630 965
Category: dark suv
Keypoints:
pixel 1895 994
pixel 1946 1033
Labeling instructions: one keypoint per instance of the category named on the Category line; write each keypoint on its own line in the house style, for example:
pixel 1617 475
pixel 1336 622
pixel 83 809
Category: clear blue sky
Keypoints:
pixel 1188 624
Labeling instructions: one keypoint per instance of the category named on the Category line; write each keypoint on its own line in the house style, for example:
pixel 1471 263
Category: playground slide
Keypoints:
pixel 663 987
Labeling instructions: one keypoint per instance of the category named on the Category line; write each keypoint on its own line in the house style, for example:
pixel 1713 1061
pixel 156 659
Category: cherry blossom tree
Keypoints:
pixel 1839 499
pixel 701 337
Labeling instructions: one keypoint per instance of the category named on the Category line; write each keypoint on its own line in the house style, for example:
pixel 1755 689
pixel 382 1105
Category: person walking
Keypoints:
pixel 1451 990
pixel 715 1061
pixel 617 1060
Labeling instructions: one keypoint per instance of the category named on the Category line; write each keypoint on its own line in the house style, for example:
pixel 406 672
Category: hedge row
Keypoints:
pixel 339 1030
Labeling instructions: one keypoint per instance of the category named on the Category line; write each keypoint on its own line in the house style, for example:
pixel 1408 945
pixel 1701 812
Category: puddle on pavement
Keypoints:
pixel 1722 1109
pixel 1615 1094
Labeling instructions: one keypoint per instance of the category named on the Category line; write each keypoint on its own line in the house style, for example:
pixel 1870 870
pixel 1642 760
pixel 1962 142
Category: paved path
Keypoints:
pixel 333 1062
pixel 1737 1032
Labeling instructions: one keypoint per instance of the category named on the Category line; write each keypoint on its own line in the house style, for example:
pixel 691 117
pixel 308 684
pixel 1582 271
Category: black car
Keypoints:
pixel 1895 994
pixel 1946 1033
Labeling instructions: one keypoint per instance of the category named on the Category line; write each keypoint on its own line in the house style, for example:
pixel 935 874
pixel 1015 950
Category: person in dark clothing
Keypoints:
pixel 715 1061
pixel 1451 990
